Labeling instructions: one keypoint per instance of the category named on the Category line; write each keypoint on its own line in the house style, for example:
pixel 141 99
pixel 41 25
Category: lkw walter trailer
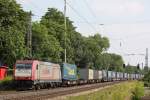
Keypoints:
pixel 69 74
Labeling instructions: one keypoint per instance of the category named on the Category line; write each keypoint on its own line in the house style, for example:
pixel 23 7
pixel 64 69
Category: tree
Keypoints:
pixel 110 61
pixel 116 63
pixel 45 46
pixel 54 21
pixel 13 24
pixel 146 79
pixel 132 69
pixel 93 48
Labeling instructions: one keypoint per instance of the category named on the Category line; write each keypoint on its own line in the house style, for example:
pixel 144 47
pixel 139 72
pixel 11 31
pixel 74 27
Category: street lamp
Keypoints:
pixel 101 28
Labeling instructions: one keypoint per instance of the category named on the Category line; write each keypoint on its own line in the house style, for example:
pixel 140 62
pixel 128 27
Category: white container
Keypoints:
pixel 99 74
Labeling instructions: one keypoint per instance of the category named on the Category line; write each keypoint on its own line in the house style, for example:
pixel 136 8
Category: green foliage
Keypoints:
pixel 7 83
pixel 93 48
pixel 13 22
pixel 138 92
pixel 110 61
pixel 45 46
pixel 132 69
pixel 7 79
pixel 53 20
pixel 146 79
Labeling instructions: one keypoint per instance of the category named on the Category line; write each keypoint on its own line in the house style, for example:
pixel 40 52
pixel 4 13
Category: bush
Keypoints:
pixel 146 79
pixel 7 83
pixel 138 91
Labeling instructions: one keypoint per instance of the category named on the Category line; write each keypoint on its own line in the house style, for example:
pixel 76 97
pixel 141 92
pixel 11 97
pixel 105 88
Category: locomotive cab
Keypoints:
pixel 23 73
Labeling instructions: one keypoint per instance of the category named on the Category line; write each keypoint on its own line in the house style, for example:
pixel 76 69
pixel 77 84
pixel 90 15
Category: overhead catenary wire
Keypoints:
pixel 79 15
pixel 92 13
pixel 82 17
pixel 90 9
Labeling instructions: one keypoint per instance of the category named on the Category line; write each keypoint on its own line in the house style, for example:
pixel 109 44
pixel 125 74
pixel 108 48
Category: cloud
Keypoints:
pixel 118 7
pixel 24 1
pixel 134 7
pixel 128 28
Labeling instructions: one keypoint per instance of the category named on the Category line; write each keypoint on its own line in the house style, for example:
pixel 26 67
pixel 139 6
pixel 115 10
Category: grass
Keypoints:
pixel 147 91
pixel 138 92
pixel 7 83
pixel 6 80
pixel 122 91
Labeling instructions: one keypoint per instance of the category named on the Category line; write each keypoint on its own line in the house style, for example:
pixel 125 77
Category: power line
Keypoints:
pixel 86 21
pixel 90 9
pixel 82 17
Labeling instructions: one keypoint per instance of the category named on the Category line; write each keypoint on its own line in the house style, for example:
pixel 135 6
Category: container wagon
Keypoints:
pixel 87 75
pixel 104 75
pixel 125 76
pixel 109 75
pixel 113 76
pixel 121 76
pixel 97 76
pixel 118 75
pixel 69 74
pixel 128 76
pixel 132 76
pixel 100 76
pixel 37 74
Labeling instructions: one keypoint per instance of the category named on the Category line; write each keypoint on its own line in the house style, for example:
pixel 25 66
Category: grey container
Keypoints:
pixel 96 76
pixel 118 75
pixel 113 74
pixel 121 75
pixel 132 76
pixel 109 75
pixel 104 74
pixel 125 75
pixel 86 74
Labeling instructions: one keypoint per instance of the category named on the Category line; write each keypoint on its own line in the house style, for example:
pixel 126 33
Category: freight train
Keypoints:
pixel 35 74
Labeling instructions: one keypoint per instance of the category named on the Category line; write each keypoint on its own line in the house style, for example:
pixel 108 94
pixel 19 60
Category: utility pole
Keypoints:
pixel 146 60
pixel 104 55
pixel 142 65
pixel 29 35
pixel 65 31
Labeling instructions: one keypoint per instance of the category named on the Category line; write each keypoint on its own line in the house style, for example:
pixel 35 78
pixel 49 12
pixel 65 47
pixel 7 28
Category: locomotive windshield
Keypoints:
pixel 23 66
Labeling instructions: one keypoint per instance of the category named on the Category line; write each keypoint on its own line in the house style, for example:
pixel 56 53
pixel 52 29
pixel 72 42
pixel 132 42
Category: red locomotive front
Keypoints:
pixel 24 72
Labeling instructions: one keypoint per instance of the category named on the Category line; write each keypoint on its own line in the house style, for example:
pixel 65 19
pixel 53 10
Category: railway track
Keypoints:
pixel 51 93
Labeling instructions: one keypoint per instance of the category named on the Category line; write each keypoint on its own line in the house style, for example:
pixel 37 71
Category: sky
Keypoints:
pixel 125 22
